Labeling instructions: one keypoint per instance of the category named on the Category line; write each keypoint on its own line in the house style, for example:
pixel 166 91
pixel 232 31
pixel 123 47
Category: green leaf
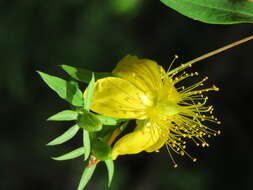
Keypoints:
pixel 89 93
pixel 70 133
pixel 86 176
pixel 101 150
pixel 89 122
pixel 110 170
pixel 66 115
pixel 109 120
pixel 214 11
pixel 73 154
pixel 65 89
pixel 83 75
pixel 86 144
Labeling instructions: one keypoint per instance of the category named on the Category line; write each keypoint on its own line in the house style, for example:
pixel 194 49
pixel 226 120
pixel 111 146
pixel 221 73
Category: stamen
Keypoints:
pixel 174 163
pixel 187 154
pixel 166 74
pixel 189 63
pixel 175 57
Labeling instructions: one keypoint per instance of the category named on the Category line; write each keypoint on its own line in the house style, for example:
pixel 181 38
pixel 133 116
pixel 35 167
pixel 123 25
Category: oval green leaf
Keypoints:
pixel 65 89
pixel 214 11
pixel 66 115
pixel 86 176
pixel 73 154
pixel 89 122
pixel 70 133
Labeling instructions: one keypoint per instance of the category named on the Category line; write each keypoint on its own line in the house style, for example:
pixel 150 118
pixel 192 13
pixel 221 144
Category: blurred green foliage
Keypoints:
pixel 42 34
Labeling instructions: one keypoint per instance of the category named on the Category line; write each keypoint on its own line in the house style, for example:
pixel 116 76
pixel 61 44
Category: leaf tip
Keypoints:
pixel 39 72
pixel 49 119
pixel 62 66
pixel 49 144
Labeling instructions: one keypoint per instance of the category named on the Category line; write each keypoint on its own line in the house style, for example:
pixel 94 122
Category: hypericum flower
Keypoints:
pixel 167 114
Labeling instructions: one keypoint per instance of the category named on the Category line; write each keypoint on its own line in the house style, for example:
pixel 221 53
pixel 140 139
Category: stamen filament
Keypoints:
pixel 189 63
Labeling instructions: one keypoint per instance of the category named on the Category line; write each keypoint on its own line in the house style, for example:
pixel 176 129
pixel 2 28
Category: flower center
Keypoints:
pixel 167 107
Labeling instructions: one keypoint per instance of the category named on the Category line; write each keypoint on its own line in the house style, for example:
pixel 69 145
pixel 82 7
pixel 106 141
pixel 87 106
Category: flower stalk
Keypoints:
pixel 92 160
pixel 189 63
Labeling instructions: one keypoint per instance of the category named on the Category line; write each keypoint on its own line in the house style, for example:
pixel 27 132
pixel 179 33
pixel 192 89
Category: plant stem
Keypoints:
pixel 93 161
pixel 189 63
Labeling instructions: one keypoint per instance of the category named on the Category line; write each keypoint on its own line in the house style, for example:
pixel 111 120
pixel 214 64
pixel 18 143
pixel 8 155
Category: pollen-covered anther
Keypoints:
pixel 215 88
pixel 175 165
pixel 205 144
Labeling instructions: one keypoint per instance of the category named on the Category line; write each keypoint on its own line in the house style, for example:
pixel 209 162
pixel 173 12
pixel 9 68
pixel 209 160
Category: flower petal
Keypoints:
pixel 155 147
pixel 116 97
pixel 160 132
pixel 134 142
pixel 145 74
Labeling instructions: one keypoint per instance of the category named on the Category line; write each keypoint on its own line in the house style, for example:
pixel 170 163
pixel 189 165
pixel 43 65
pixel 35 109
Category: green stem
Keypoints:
pixel 189 63
pixel 93 161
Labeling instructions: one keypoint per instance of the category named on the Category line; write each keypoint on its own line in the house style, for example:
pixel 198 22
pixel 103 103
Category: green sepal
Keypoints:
pixel 101 150
pixel 86 144
pixel 65 89
pixel 83 75
pixel 86 176
pixel 89 93
pixel 110 170
pixel 89 122
pixel 109 120
pixel 214 11
pixel 70 133
pixel 71 155
pixel 107 131
pixel 66 115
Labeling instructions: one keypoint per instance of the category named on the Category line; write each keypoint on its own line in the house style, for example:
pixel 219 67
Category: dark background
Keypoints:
pixel 42 34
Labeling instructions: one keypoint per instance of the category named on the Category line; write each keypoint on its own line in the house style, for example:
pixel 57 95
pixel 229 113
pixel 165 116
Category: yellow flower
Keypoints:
pixel 166 114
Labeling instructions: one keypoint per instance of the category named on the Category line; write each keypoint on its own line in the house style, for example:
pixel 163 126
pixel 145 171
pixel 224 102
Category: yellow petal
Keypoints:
pixel 116 97
pixel 159 144
pixel 145 74
pixel 136 142
pixel 160 132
